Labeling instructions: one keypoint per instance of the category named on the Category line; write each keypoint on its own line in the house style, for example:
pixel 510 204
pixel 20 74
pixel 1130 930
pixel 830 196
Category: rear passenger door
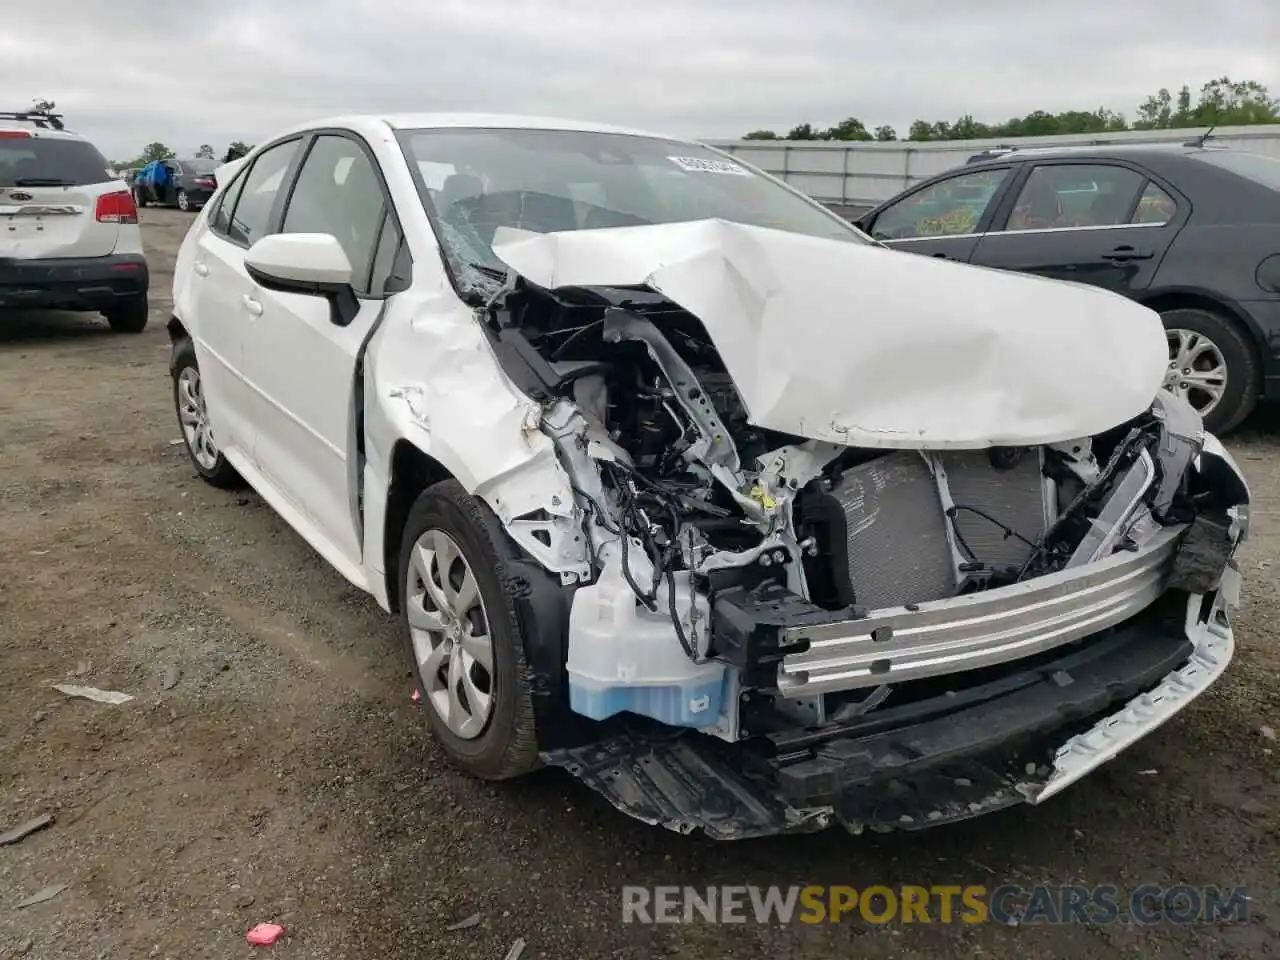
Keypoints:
pixel 943 218
pixel 1107 224
pixel 221 293
pixel 172 179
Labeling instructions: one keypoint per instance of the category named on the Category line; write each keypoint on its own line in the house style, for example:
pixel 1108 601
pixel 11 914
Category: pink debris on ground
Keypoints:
pixel 417 695
pixel 265 934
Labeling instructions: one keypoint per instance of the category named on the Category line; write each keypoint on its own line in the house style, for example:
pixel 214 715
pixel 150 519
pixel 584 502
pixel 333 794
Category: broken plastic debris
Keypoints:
pixel 24 830
pixel 471 921
pixel 416 696
pixel 516 950
pixel 40 896
pixel 264 934
pixel 1268 733
pixel 1147 773
pixel 177 443
pixel 92 693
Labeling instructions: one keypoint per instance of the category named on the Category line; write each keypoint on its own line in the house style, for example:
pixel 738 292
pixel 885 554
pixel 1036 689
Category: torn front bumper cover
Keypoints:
pixel 1018 738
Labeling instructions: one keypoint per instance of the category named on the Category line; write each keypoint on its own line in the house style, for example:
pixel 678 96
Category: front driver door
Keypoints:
pixel 943 218
pixel 302 365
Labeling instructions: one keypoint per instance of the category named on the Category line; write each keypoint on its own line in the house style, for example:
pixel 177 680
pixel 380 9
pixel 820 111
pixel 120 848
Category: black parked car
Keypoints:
pixel 185 184
pixel 1191 231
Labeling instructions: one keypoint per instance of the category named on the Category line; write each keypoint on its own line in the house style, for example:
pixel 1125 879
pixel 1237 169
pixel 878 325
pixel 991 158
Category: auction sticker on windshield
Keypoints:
pixel 702 165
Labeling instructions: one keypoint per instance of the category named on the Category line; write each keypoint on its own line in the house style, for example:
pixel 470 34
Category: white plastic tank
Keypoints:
pixel 623 657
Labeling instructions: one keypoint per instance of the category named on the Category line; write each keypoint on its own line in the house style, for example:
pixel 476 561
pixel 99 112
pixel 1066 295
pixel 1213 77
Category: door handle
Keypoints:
pixel 1126 253
pixel 252 305
pixel 200 269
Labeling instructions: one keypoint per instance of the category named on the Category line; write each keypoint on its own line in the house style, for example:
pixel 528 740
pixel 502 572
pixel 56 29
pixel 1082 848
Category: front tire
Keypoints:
pixel 193 421
pixel 1212 366
pixel 130 316
pixel 184 202
pixel 463 636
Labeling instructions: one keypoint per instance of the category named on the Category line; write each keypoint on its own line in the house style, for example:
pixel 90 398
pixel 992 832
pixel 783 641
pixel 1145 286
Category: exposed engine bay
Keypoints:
pixel 714 543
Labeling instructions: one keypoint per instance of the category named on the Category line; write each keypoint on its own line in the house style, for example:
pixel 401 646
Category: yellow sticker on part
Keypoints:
pixel 762 498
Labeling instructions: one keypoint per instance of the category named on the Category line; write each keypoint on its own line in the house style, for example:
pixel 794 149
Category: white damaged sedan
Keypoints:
pixel 681 483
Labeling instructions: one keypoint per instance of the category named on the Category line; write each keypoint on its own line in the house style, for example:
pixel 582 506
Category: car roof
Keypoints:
pixel 44 133
pixel 369 122
pixel 1099 150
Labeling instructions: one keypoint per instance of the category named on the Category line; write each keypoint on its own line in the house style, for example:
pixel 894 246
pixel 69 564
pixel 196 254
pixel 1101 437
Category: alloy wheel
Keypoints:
pixel 195 419
pixel 449 630
pixel 1197 370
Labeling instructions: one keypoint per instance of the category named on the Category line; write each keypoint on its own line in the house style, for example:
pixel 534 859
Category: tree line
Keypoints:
pixel 159 151
pixel 1221 102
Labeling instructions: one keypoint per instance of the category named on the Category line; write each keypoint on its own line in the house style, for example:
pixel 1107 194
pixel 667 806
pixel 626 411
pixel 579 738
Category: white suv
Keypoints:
pixel 681 483
pixel 69 236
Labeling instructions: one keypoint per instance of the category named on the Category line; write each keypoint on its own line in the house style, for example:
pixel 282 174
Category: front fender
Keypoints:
pixel 432 379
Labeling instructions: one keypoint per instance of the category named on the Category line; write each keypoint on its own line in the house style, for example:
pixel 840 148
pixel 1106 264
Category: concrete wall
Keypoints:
pixel 853 176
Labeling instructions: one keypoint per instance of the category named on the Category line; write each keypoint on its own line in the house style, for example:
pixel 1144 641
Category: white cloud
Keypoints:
pixel 242 69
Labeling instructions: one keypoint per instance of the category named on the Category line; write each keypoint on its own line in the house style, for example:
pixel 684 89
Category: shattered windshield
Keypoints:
pixel 476 180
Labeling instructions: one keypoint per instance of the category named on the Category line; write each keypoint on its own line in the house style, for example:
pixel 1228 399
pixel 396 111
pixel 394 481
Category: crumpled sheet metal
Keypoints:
pixel 857 344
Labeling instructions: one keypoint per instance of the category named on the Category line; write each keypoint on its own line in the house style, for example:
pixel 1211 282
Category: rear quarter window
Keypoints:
pixel 71 163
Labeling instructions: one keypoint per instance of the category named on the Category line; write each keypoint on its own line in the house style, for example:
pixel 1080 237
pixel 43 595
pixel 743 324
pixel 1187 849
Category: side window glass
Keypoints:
pixel 220 219
pixel 1062 196
pixel 338 193
pixel 947 208
pixel 251 215
pixel 1155 207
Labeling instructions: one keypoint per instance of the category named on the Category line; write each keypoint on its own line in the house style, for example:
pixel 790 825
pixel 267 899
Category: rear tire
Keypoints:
pixel 449 532
pixel 1239 392
pixel 197 437
pixel 130 316
pixel 183 201
pixel 139 200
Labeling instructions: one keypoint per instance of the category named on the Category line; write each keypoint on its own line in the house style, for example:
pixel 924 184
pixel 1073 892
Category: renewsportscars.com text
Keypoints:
pixel 1006 904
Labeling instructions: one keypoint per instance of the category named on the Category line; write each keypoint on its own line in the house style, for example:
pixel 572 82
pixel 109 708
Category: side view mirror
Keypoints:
pixel 310 264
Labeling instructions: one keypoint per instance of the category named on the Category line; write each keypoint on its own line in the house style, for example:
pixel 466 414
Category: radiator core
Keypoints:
pixel 897 533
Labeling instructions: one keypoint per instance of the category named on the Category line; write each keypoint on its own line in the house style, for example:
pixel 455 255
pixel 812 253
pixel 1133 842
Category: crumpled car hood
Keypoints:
pixel 857 344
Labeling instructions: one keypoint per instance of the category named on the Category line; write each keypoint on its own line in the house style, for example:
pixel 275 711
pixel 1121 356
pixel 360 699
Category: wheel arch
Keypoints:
pixel 178 335
pixel 411 471
pixel 1188 298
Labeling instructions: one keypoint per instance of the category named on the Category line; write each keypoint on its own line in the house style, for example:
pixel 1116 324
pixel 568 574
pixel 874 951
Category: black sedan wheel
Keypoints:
pixel 1211 366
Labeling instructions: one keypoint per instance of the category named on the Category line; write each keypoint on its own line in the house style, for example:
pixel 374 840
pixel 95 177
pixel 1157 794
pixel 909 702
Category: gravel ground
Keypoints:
pixel 286 776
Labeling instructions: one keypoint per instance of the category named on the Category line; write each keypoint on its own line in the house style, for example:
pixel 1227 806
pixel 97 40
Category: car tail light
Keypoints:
pixel 205 182
pixel 14 135
pixel 116 207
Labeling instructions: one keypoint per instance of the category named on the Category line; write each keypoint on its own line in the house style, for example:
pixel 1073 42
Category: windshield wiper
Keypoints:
pixel 498 273
pixel 41 182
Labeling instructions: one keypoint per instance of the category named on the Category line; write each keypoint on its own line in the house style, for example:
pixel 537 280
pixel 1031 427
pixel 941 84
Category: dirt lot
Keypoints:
pixel 286 776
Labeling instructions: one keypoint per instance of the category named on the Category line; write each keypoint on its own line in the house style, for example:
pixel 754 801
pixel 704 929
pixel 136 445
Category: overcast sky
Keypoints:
pixel 127 73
